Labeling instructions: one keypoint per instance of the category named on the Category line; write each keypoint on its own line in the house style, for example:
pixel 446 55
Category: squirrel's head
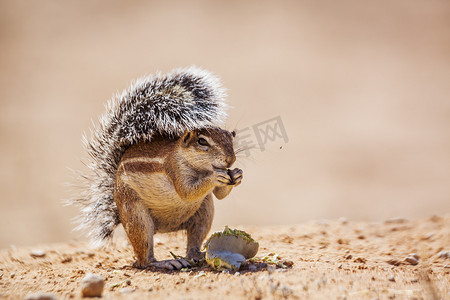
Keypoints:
pixel 209 148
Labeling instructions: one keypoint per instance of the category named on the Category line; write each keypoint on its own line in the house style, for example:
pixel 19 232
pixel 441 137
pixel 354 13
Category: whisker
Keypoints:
pixel 245 148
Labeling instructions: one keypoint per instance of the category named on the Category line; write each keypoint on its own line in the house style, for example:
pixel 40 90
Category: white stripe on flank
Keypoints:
pixel 144 159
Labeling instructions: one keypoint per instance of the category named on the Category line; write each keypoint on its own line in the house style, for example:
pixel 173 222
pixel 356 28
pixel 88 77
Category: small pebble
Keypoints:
pixel 37 253
pixel 13 275
pixel 40 296
pixel 127 290
pixel 360 260
pixel 343 220
pixel 447 266
pixel 428 236
pixel 391 278
pixel 444 254
pixel 92 285
pixel 412 260
pixel 393 262
pixel 396 220
pixel 66 259
pixel 414 255
pixel 128 281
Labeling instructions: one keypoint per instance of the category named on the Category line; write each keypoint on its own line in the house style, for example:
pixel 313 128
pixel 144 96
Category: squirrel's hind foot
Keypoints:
pixel 171 264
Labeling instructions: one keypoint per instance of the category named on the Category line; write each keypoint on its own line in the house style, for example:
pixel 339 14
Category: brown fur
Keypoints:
pixel 166 185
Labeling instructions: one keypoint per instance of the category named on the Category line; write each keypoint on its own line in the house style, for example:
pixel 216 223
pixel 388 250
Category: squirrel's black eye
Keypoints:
pixel 203 142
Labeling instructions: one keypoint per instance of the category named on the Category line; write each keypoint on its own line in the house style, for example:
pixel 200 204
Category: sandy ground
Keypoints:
pixel 331 260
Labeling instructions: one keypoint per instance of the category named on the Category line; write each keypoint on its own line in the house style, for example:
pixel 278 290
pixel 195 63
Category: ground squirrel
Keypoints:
pixel 158 155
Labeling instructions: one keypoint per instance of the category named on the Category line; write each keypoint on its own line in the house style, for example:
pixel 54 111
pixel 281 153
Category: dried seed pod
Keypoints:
pixel 229 249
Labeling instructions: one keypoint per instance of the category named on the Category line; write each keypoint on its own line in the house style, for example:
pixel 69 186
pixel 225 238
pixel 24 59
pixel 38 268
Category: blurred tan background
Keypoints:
pixel 362 88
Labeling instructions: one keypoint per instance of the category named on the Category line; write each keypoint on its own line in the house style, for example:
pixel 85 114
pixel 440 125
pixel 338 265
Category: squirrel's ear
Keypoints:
pixel 186 138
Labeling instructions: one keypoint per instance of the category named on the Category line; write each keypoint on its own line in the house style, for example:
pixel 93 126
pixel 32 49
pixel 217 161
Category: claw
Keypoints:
pixel 171 264
pixel 176 264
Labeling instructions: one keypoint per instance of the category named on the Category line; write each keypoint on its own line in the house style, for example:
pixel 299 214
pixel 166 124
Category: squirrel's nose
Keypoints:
pixel 230 160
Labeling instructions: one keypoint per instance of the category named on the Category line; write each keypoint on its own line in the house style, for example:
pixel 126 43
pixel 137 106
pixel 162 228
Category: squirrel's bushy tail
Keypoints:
pixel 184 99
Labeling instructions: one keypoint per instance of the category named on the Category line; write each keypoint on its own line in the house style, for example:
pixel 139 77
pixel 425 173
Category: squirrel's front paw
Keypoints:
pixel 222 177
pixel 236 176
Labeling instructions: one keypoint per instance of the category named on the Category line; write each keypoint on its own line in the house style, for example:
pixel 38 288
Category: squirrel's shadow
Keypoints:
pixel 251 267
